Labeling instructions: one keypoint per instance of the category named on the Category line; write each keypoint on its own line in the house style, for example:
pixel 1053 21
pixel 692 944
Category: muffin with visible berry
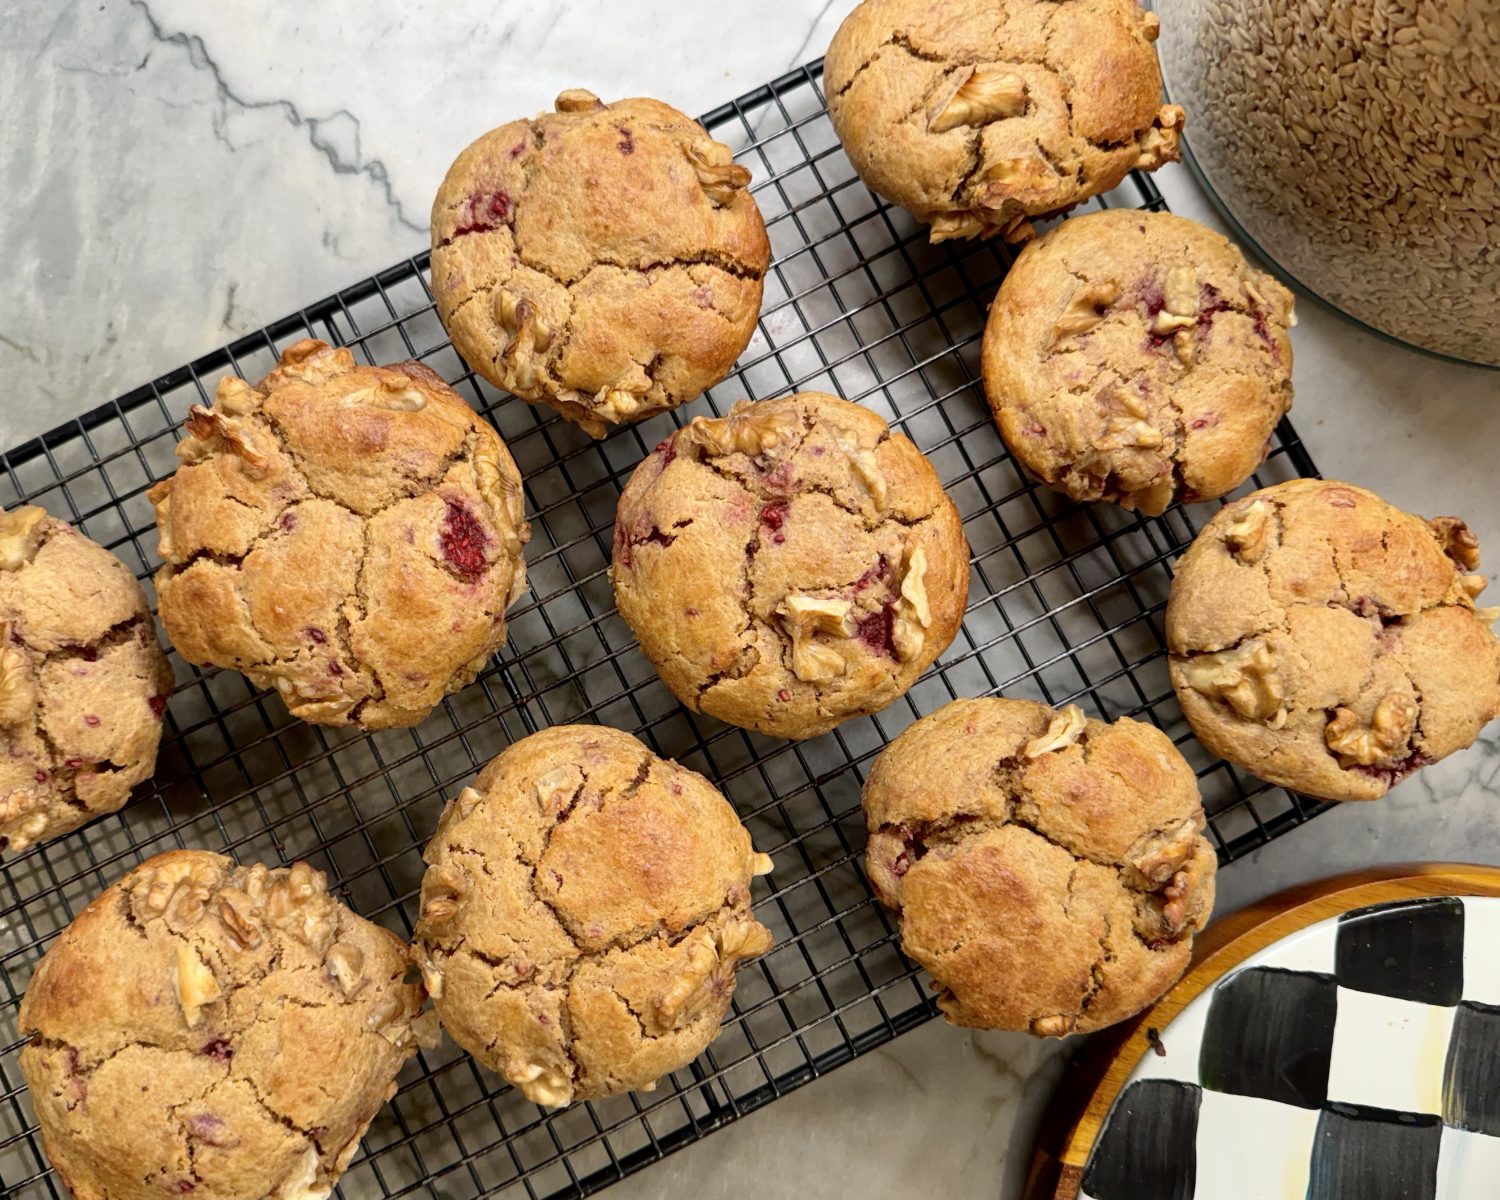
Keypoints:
pixel 791 565
pixel 224 1031
pixel 585 909
pixel 83 681
pixel 605 259
pixel 1329 642
pixel 1049 870
pixel 348 535
pixel 977 115
pixel 1136 357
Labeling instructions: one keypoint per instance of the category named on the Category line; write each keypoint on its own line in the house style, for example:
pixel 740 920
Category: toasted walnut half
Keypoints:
pixel 529 338
pixel 211 432
pixel 235 912
pixel 1130 433
pixel 17 688
pixel 1007 176
pixel 298 904
pixel 555 792
pixel 20 535
pixel 577 100
pixel 196 986
pixel 804 616
pixel 345 964
pixel 720 177
pixel 866 466
pixel 311 361
pixel 913 610
pixel 1245 679
pixel 176 892
pixel 1458 541
pixel 394 397
pixel 1161 142
pixel 1178 317
pixel 976 96
pixel 748 429
pixel 1087 306
pixel 546 1086
pixel 1063 730
pixel 620 404
pixel 708 969
pixel 1246 535
pixel 235 397
pixel 1385 738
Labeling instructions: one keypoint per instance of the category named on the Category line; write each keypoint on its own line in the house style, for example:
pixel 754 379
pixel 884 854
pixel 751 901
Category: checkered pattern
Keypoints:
pixel 1358 1058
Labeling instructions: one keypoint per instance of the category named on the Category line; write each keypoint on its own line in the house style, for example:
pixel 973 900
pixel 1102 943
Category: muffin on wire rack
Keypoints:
pixel 791 565
pixel 348 535
pixel 977 115
pixel 1049 870
pixel 223 1031
pixel 605 259
pixel 584 912
pixel 83 681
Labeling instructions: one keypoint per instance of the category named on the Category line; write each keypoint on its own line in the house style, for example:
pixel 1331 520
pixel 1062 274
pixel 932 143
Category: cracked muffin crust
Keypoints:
pixel 83 681
pixel 584 910
pixel 217 1030
pixel 1049 870
pixel 604 259
pixel 1136 357
pixel 976 115
pixel 351 536
pixel 1329 642
pixel 791 565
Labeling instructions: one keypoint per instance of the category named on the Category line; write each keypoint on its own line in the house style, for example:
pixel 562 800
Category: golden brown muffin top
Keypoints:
pixel 606 259
pixel 1049 869
pixel 975 115
pixel 348 535
pixel 791 565
pixel 583 913
pixel 1329 642
pixel 1136 357
pixel 83 682
pixel 220 1030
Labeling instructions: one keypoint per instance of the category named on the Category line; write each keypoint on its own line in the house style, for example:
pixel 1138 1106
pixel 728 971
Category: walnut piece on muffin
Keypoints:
pixel 217 1030
pixel 585 908
pixel 606 259
pixel 1049 870
pixel 1328 642
pixel 1136 357
pixel 348 535
pixel 977 115
pixel 791 565
pixel 83 681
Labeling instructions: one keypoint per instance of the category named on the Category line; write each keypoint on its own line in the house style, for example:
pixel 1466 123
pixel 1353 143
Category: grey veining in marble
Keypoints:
pixel 175 174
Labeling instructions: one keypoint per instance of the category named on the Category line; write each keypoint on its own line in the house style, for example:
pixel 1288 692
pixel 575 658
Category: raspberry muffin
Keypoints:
pixel 791 565
pixel 977 115
pixel 350 536
pixel 1136 357
pixel 1048 870
pixel 606 259
pixel 584 910
pixel 217 1030
pixel 83 682
pixel 1328 642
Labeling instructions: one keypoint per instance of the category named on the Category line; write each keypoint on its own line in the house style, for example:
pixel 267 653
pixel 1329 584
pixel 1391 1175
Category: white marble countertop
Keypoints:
pixel 176 174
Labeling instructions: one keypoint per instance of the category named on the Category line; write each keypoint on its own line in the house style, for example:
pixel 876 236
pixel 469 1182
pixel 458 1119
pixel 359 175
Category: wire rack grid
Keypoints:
pixel 1066 603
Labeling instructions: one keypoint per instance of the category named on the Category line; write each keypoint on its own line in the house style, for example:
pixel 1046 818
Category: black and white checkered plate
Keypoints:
pixel 1356 1058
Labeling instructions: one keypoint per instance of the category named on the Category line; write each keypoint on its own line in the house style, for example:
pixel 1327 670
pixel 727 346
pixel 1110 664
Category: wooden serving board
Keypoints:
pixel 1104 1067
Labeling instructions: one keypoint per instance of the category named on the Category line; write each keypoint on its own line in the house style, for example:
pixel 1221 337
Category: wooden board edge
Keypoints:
pixel 1093 1080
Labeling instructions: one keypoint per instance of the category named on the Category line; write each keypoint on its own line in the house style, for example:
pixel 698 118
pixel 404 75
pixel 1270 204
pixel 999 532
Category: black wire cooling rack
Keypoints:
pixel 1065 603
